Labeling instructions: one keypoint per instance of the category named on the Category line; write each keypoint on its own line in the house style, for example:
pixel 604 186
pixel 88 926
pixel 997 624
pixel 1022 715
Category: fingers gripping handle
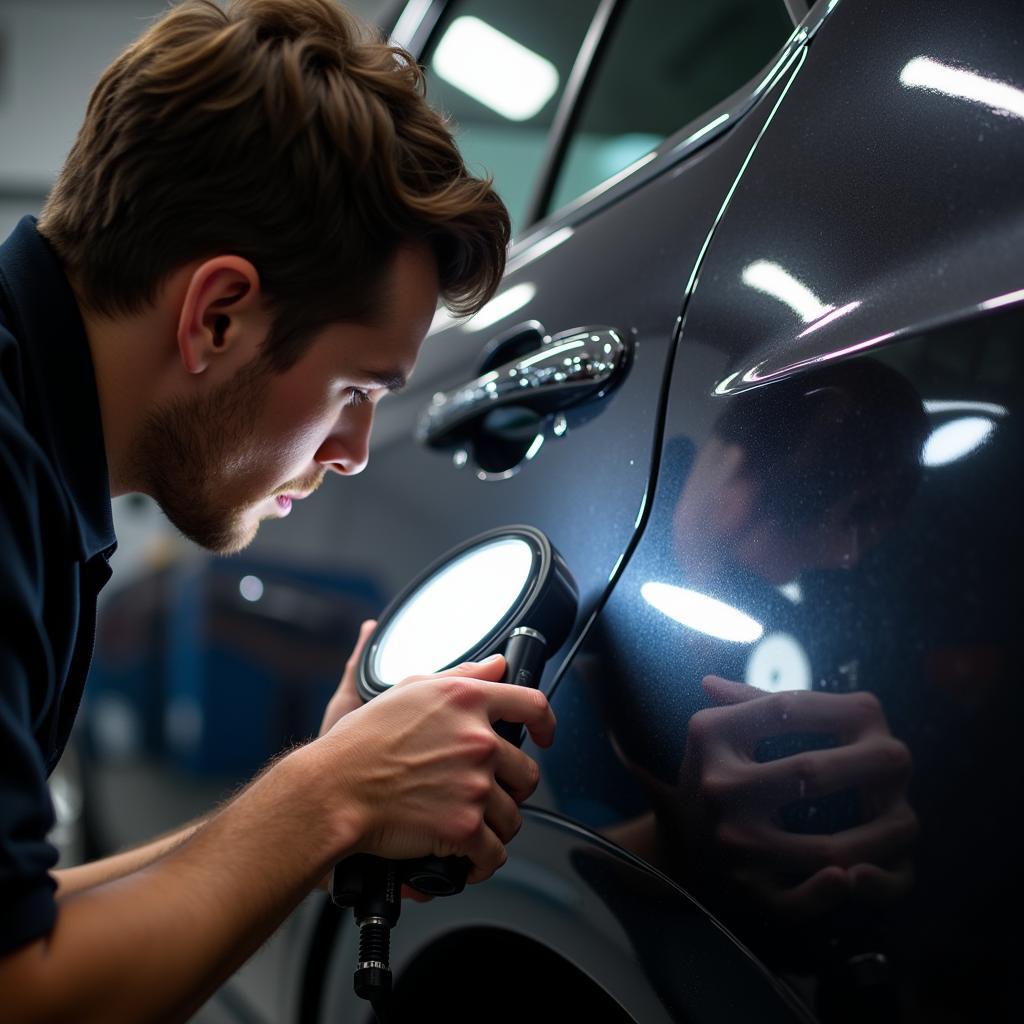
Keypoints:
pixel 525 655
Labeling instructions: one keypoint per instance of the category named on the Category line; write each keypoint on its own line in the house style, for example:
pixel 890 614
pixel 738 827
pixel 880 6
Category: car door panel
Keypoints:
pixel 625 267
pixel 835 515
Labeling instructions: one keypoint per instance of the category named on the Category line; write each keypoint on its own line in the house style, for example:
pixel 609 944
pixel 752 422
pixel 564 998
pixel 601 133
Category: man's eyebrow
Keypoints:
pixel 393 380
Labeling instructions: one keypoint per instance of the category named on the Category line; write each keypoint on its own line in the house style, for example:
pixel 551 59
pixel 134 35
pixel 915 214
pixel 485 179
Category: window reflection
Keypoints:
pixel 494 69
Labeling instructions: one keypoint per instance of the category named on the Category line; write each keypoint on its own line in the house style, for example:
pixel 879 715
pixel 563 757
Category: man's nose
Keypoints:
pixel 347 449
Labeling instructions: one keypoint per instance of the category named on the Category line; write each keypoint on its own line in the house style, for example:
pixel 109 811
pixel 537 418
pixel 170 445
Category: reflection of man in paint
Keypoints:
pixel 792 792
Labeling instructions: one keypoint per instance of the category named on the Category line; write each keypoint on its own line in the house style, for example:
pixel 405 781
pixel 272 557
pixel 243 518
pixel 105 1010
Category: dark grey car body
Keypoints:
pixel 838 262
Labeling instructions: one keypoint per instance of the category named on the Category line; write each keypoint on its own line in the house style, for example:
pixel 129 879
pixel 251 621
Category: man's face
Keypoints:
pixel 220 462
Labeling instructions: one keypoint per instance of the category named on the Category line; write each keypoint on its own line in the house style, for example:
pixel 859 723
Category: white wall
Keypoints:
pixel 51 54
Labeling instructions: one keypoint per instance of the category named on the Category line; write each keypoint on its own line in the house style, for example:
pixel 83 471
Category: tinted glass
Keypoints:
pixel 666 64
pixel 498 69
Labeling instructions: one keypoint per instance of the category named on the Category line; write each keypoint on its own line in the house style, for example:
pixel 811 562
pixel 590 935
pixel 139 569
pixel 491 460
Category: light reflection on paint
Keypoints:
pixel 774 280
pixel 1003 300
pixel 755 376
pixel 940 405
pixel 502 305
pixel 955 440
pixel 829 318
pixel 702 613
pixel 701 132
pixel 538 249
pixel 929 74
pixel 779 662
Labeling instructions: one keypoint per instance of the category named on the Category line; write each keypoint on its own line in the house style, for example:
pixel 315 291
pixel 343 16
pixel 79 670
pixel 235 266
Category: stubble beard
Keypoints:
pixel 186 457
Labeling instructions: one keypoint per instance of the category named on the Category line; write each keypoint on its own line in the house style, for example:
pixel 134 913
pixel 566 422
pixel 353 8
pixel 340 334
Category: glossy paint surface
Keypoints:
pixel 835 529
pixel 585 481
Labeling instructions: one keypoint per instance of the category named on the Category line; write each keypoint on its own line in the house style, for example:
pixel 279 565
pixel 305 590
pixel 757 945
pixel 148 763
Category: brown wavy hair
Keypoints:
pixel 281 131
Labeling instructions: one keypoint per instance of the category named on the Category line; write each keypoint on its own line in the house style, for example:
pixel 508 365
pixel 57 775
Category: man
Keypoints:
pixel 241 256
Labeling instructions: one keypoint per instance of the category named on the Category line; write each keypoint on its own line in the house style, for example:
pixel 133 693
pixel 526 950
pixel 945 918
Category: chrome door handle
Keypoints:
pixel 565 369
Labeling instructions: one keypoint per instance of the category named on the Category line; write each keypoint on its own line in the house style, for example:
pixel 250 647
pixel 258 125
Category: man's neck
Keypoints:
pixel 133 356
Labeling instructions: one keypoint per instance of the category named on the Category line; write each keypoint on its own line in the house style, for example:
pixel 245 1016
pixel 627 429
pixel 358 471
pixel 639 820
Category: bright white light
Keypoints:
pixel 251 588
pixel 829 317
pixel 702 613
pixel 925 73
pixel 443 319
pixel 1004 300
pixel 701 132
pixel 776 281
pixel 549 352
pixel 792 591
pixel 503 305
pixel 954 440
pixel 616 178
pixel 939 405
pixel 538 249
pixel 779 663
pixel 454 610
pixel 411 19
pixel 494 69
pixel 723 385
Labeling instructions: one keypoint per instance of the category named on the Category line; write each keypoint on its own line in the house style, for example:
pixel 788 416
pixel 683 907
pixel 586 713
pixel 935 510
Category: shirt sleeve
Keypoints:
pixel 27 906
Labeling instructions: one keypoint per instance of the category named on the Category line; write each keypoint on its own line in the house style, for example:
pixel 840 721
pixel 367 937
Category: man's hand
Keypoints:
pixel 423 772
pixel 731 803
pixel 346 697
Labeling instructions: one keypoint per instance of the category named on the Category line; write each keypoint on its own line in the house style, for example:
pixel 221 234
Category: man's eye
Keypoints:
pixel 357 396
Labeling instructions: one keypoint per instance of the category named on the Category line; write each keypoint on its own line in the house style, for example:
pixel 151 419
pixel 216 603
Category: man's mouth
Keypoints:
pixel 284 503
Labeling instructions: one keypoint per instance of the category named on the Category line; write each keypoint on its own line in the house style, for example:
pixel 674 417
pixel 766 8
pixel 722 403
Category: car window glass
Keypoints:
pixel 666 63
pixel 498 70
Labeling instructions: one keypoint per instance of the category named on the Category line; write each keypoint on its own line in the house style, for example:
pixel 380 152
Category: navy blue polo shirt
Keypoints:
pixel 56 535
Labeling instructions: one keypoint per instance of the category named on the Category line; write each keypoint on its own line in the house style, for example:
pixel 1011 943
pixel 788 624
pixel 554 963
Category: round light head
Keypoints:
pixel 464 607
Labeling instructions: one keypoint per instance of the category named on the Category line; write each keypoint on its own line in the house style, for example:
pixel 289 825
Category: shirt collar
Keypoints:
pixel 54 346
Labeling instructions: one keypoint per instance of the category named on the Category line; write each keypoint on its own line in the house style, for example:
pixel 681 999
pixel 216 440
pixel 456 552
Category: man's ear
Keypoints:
pixel 221 312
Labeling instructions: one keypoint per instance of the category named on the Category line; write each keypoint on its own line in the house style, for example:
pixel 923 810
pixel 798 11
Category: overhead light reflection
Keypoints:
pixel 410 20
pixel 538 249
pixel 940 405
pixel 925 73
pixel 701 132
pixel 550 352
pixel 779 283
pixel 1004 300
pixel 722 387
pixel 828 318
pixel 956 439
pixel 702 613
pixel 616 178
pixel 494 69
pixel 443 319
pixel 502 305
pixel 779 662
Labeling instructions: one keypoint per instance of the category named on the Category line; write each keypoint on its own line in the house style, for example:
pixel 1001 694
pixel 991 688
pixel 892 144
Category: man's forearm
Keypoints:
pixel 155 943
pixel 85 876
